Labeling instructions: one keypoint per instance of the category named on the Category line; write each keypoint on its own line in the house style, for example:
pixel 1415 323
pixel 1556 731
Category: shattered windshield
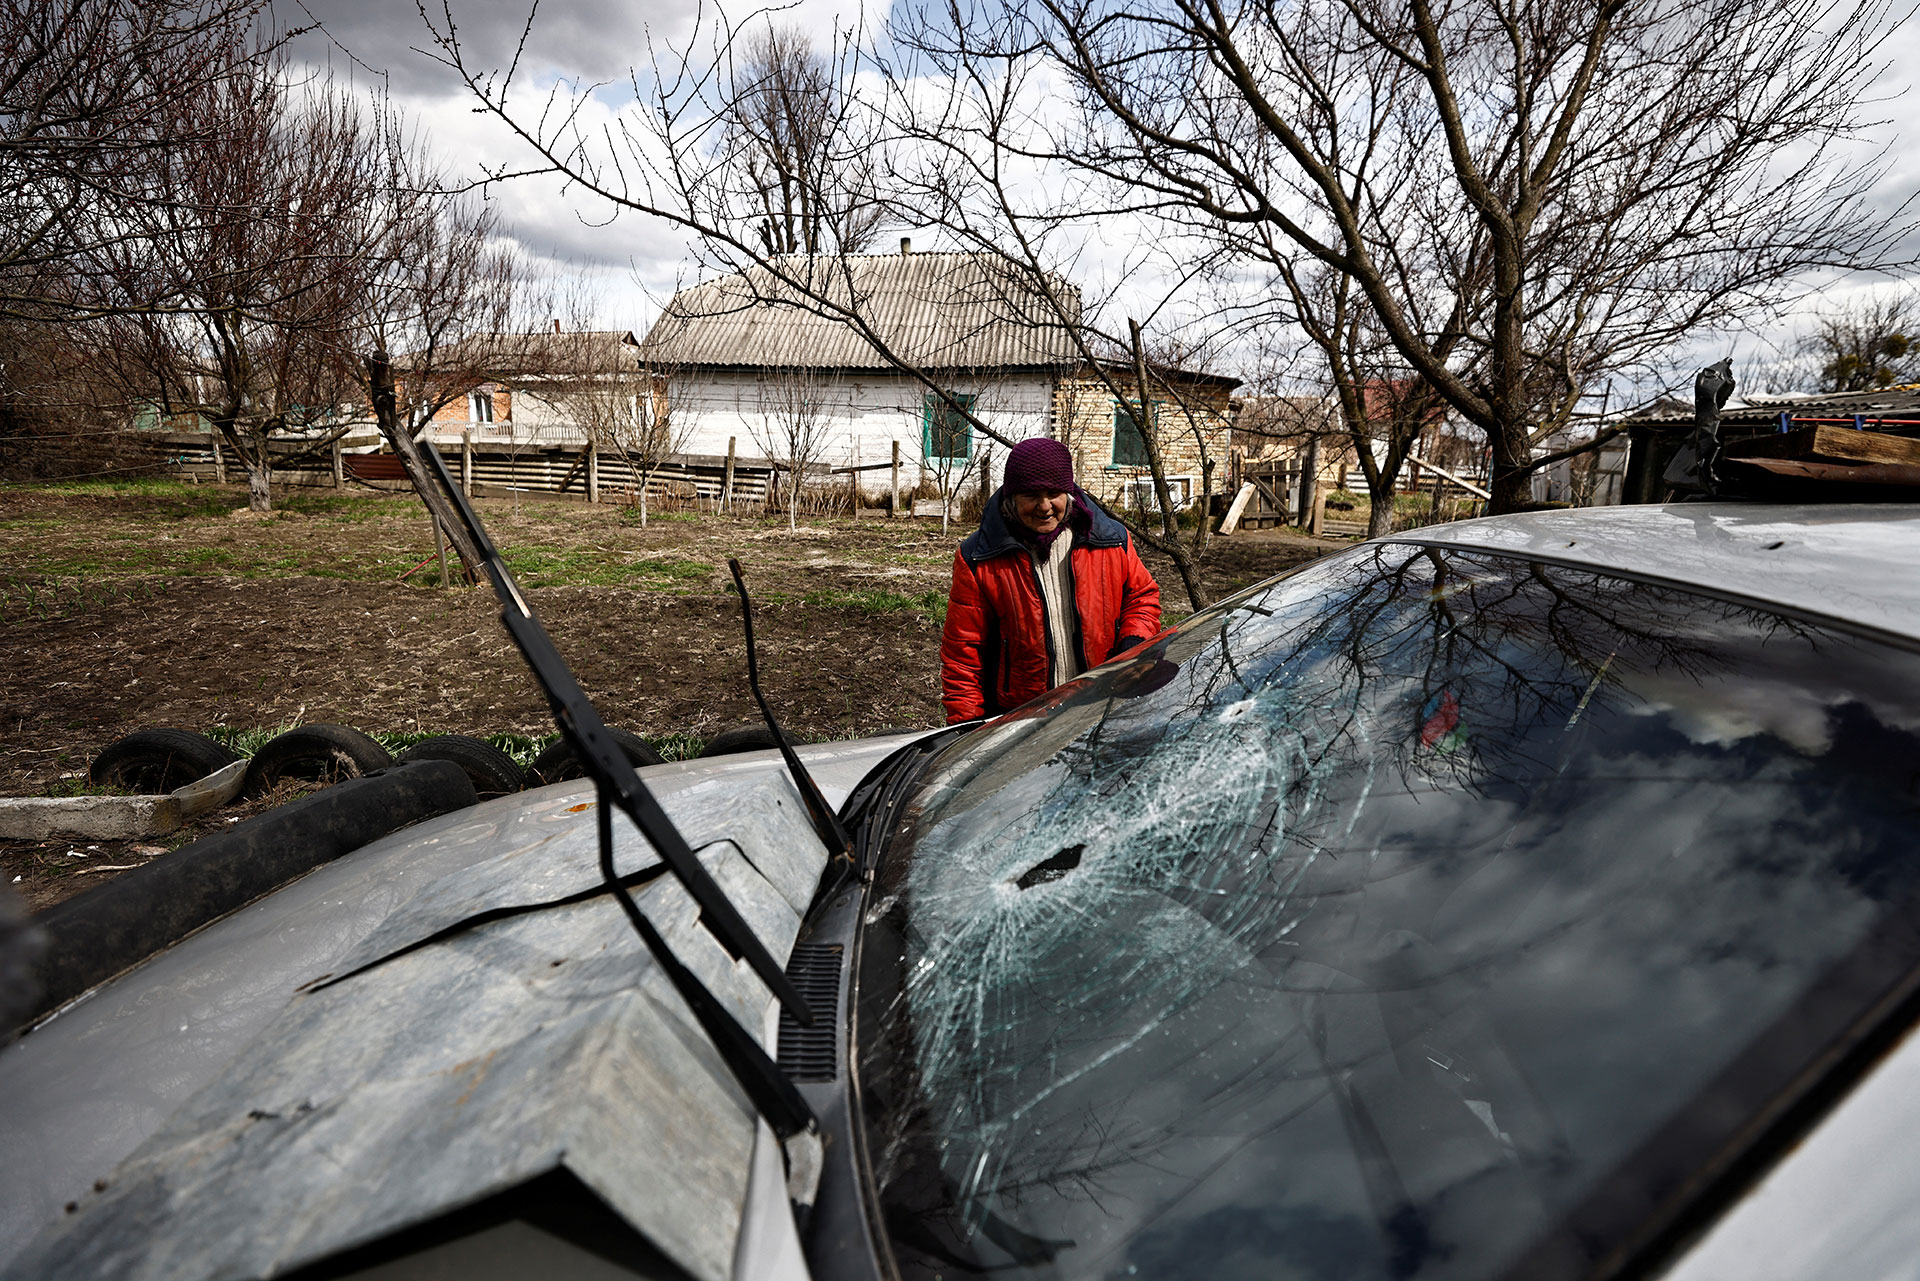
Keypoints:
pixel 1368 924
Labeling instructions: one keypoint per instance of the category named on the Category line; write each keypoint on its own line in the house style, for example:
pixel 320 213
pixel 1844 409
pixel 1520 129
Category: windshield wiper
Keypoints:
pixel 602 760
pixel 826 823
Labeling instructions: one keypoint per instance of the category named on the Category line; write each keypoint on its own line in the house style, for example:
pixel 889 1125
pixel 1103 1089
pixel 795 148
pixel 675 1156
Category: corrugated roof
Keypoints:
pixel 936 311
pixel 1893 403
pixel 543 352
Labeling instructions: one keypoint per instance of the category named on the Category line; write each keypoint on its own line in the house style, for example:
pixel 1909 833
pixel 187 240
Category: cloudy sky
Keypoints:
pixel 632 264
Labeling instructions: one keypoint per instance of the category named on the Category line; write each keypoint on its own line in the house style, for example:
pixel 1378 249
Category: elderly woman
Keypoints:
pixel 1048 586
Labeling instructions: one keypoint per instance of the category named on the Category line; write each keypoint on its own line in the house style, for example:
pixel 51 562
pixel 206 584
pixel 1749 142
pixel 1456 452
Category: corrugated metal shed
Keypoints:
pixel 935 310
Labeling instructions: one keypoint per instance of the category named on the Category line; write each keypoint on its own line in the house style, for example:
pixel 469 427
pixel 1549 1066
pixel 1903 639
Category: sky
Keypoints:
pixel 629 264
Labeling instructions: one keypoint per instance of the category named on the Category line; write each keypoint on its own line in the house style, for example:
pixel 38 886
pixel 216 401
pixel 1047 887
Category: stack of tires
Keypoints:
pixel 161 760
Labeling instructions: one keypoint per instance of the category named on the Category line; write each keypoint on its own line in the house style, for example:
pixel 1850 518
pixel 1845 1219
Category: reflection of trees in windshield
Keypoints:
pixel 1279 950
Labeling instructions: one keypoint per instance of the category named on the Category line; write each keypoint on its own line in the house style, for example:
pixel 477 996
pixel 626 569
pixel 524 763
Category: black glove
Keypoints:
pixel 1128 642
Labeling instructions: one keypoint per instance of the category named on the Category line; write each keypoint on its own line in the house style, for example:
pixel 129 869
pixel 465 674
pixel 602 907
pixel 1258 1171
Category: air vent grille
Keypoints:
pixel 807 1053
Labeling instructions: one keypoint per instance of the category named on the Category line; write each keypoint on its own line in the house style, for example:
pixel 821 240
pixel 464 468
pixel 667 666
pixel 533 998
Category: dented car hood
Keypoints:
pixel 221 1111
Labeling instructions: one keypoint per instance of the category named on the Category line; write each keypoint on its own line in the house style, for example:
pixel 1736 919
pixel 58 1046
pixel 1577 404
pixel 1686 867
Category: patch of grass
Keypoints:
pixel 677 747
pixel 536 565
pixel 156 496
pixel 348 509
pixel 880 600
pixel 31 598
pixel 631 516
pixel 246 740
pixel 522 747
pixel 673 570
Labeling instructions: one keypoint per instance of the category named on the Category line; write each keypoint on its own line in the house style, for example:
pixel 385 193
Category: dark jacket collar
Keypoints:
pixel 1092 527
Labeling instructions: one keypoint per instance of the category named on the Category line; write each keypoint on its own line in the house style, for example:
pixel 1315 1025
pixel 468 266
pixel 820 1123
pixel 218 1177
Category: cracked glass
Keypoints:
pixel 1368 924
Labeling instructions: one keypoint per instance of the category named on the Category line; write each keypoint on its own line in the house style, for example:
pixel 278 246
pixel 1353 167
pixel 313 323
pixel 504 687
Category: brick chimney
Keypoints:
pixel 906 246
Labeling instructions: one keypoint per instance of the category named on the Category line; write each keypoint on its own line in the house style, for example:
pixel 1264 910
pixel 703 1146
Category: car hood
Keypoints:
pixel 215 1112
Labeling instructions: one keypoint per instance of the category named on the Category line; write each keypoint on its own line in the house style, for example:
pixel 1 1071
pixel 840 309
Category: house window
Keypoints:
pixel 944 430
pixel 1129 445
pixel 480 405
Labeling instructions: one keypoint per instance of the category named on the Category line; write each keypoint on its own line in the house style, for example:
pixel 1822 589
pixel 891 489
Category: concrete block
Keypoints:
pixel 116 818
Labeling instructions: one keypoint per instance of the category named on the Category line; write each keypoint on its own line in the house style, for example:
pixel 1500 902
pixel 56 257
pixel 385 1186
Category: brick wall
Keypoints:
pixel 1187 416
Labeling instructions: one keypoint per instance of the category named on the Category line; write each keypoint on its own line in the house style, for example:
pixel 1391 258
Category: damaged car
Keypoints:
pixel 1528 897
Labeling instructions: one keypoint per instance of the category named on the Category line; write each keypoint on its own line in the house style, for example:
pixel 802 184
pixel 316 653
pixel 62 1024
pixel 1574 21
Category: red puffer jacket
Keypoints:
pixel 994 653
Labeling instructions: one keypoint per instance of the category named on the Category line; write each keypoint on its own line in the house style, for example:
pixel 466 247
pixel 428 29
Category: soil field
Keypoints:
pixel 153 603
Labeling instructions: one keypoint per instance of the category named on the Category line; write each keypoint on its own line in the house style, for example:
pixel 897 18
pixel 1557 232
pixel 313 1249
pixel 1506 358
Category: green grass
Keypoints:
pixel 880 600
pixel 347 509
pixel 243 740
pixel 171 498
pixel 677 747
pixel 85 787
pixel 683 571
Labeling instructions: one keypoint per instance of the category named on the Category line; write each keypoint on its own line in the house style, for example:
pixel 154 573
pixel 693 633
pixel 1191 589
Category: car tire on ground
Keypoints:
pixel 556 762
pixel 754 736
pixel 322 753
pixel 158 760
pixel 492 771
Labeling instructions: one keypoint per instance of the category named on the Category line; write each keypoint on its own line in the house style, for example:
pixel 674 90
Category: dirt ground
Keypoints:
pixel 160 604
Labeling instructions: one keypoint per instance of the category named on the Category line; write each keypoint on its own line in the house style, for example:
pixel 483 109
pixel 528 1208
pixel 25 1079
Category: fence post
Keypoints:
pixel 219 462
pixel 853 483
pixel 894 511
pixel 440 547
pixel 1310 488
pixel 726 477
pixel 466 463
pixel 593 472
pixel 339 467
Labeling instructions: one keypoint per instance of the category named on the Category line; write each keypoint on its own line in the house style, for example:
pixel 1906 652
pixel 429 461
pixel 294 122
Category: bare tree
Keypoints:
pixel 264 239
pixel 1526 196
pixel 1865 346
pixel 92 94
pixel 786 120
pixel 442 309
pixel 621 402
pixel 790 422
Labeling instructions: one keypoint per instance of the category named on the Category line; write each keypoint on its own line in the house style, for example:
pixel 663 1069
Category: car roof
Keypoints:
pixel 1852 563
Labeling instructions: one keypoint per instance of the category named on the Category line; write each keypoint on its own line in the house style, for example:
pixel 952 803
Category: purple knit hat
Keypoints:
pixel 1039 463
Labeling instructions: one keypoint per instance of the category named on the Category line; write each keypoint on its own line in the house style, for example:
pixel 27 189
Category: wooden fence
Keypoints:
pixel 488 468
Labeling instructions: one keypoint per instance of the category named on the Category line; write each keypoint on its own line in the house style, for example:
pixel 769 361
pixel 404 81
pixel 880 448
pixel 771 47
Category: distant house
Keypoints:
pixel 1191 415
pixel 744 360
pixel 533 388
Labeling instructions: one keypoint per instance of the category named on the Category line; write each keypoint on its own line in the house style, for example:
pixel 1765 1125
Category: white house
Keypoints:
pixel 746 360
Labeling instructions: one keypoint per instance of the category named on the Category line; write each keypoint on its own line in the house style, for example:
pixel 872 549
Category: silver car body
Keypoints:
pixel 161 1100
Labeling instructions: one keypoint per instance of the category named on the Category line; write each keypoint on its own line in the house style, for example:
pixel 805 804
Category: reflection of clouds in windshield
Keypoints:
pixel 1725 713
pixel 1794 704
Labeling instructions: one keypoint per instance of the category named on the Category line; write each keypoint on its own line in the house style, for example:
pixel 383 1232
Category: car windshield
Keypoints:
pixel 1374 922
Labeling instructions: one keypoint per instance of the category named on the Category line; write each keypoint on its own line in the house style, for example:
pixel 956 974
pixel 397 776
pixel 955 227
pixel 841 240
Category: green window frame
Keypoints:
pixel 1129 444
pixel 944 432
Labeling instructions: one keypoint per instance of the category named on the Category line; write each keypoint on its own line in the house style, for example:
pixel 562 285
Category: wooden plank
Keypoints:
pixel 1234 512
pixel 1465 484
pixel 1829 443
pixel 1845 473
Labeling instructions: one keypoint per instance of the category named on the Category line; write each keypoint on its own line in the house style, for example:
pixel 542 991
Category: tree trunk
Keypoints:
pixel 259 476
pixel 1511 484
